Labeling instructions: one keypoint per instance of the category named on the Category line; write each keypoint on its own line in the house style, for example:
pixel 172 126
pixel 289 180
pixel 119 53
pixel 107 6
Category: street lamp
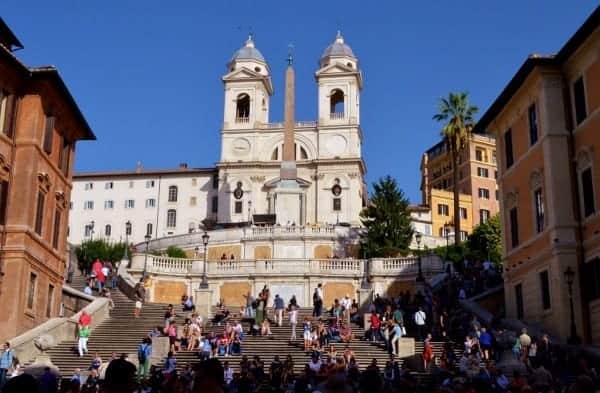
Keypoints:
pixel 204 283
pixel 569 278
pixel 147 238
pixel 127 229
pixel 249 213
pixel 418 238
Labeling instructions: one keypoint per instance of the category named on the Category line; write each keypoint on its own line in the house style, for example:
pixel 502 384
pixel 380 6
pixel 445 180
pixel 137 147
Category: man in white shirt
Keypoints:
pixel 87 290
pixel 227 373
pixel 420 320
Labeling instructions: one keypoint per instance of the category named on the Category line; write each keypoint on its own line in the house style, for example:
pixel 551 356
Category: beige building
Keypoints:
pixel 477 174
pixel 546 121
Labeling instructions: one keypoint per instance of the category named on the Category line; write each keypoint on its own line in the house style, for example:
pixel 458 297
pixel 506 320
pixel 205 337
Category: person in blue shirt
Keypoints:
pixel 144 354
pixel 485 340
pixel 6 362
pixel 170 363
pixel 397 330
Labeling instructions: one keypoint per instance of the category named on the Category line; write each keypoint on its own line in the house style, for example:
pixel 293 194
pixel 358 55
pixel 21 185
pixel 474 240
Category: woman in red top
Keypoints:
pixel 427 351
pixel 85 319
pixel 375 325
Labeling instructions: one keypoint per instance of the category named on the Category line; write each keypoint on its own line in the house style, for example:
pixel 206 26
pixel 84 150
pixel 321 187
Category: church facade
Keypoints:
pixel 245 186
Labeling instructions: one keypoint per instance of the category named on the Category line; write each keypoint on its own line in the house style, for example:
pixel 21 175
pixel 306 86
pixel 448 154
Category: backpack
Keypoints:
pixel 142 354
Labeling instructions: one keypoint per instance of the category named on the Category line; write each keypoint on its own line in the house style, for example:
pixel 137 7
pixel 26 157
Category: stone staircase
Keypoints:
pixel 121 333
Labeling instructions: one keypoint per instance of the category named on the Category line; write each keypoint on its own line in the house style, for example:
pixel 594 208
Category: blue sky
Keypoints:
pixel 147 74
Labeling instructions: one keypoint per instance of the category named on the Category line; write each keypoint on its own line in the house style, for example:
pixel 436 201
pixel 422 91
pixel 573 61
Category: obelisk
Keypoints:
pixel 288 196
pixel 288 164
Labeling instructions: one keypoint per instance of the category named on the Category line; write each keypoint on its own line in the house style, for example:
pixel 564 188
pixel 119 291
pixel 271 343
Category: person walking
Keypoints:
pixel 84 335
pixel 318 301
pixel 144 354
pixel 138 307
pixel 420 320
pixel 395 342
pixel 278 305
pixel 293 314
pixel 6 362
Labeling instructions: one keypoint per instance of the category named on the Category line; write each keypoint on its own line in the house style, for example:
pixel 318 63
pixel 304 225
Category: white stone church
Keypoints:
pixel 241 189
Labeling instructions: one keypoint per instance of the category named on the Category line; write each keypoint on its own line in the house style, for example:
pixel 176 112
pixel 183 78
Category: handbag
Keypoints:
pixel 403 329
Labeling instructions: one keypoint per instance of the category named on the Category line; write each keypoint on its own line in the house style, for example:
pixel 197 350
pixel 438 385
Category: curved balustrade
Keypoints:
pixel 289 231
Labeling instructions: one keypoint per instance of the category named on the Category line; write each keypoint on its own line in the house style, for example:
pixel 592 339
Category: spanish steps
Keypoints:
pixel 122 333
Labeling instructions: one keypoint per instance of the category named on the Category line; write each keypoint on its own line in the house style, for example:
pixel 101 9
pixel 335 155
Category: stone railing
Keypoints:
pixel 387 267
pixel 304 123
pixel 73 300
pixel 289 231
pixel 336 115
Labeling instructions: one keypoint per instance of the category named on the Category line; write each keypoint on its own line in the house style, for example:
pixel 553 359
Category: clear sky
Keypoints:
pixel 146 74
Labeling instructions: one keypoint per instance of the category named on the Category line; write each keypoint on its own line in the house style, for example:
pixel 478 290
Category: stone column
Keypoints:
pixel 203 301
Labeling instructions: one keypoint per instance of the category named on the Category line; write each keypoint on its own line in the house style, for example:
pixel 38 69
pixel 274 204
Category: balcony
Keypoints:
pixel 336 116
pixel 242 120
pixel 278 232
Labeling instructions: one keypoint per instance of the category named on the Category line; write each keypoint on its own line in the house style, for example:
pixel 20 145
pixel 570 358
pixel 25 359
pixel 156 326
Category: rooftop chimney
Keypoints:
pixel 183 165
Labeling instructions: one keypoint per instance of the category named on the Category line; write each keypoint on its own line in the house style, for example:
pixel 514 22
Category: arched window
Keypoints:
pixel 107 230
pixel 171 218
pixel 275 155
pixel 336 101
pixel 242 110
pixel 303 154
pixel 172 193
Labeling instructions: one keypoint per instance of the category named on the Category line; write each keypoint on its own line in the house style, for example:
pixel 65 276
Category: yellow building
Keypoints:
pixel 442 215
pixel 477 184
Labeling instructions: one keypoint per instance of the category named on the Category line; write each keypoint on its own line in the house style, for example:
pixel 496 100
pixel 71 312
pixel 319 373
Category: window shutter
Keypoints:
pixel 48 134
pixel 7 127
pixel 3 201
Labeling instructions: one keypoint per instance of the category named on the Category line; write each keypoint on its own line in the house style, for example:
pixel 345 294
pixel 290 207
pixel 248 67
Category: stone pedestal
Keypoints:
pixel 406 347
pixel 364 297
pixel 160 349
pixel 203 301
pixel 289 203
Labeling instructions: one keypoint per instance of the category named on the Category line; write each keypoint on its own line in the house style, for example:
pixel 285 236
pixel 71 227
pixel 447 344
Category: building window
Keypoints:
pixel 482 172
pixel 171 218
pixel 87 230
pixel 484 193
pixel 538 200
pixel 494 157
pixel 6 113
pixel 149 184
pixel 242 108
pixel 89 186
pixel 107 230
pixel 463 236
pixel 496 175
pixel 463 213
pixel 193 201
pixel 3 201
pixel 56 229
pixel 519 300
pixel 484 215
pixel 336 103
pixel 149 229
pixel 533 127
pixel 579 100
pixel 108 185
pixel 31 290
pixel 514 227
pixel 39 214
pixel 70 205
pixel 443 210
pixel 238 207
pixel 215 181
pixel 88 205
pixel 337 204
pixel 545 287
pixel 508 149
pixel 109 204
pixel 587 188
pixel 172 193
pixel 478 154
pixel 194 182
pixel 48 134
pixel 129 203
pixel 497 194
pixel 128 228
pixel 49 301
pixel 215 204
pixel 65 156
pixel 150 202
pixel 591 279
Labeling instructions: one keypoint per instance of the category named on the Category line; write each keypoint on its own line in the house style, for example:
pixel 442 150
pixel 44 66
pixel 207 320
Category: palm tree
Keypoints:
pixel 457 114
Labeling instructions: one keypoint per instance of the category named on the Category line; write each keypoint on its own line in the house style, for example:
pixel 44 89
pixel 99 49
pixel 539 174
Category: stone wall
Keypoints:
pixel 233 293
pixel 167 291
pixel 323 251
pixel 73 301
pixel 262 252
pixel 337 290
pixel 216 252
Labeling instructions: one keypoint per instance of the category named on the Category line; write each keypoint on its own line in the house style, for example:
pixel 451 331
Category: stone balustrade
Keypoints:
pixel 289 231
pixel 348 267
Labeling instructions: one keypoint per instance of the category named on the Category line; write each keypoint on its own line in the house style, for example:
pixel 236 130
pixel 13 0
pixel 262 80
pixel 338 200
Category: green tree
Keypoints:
pixel 388 231
pixel 486 241
pixel 90 250
pixel 458 116
pixel 176 252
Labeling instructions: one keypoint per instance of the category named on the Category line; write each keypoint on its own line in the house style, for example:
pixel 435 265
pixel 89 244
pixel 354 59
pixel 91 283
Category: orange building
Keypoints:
pixel 39 125
pixel 546 122
pixel 477 184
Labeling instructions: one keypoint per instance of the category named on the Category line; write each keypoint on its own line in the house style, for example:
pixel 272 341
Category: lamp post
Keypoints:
pixel 127 229
pixel 249 213
pixel 569 278
pixel 204 283
pixel 418 238
pixel 147 238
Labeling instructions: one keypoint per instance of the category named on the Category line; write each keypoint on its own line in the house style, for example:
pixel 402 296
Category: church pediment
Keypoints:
pixel 246 74
pixel 275 181
pixel 339 69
